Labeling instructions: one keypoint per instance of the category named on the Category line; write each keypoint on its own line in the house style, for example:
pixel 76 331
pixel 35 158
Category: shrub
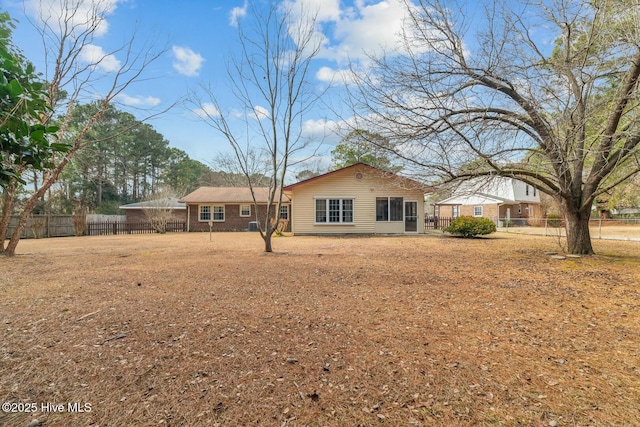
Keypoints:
pixel 554 220
pixel 467 226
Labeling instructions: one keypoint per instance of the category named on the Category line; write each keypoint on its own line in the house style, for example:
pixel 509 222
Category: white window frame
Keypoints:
pixel 341 211
pixel 242 208
pixel 455 211
pixel 477 209
pixel 201 212
pixel 216 211
pixel 284 212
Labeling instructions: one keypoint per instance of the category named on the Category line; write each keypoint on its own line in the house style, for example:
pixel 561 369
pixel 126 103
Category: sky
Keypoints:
pixel 198 36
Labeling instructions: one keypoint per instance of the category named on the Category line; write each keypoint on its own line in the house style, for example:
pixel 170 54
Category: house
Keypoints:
pixel 497 198
pixel 229 208
pixel 357 199
pixel 135 212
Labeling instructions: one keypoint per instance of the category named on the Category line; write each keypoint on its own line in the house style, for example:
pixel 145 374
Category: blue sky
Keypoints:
pixel 198 35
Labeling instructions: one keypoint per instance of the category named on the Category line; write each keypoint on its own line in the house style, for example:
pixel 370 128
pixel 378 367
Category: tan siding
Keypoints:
pixel 346 185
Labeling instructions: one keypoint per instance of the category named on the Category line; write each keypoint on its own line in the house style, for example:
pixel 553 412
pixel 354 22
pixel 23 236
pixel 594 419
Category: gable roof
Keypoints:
pixel 385 174
pixel 229 195
pixel 168 203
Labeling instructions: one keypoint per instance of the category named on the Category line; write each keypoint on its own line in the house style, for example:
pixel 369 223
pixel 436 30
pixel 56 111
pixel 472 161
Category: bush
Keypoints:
pixel 554 220
pixel 467 226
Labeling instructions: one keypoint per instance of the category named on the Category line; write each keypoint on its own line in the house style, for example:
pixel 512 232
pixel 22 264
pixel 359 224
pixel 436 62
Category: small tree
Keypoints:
pixel 159 211
pixel 269 82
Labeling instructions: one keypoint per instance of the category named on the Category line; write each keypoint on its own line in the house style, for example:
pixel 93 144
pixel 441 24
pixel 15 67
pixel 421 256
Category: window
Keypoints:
pixel 534 191
pixel 389 208
pixel 455 211
pixel 334 211
pixel 218 213
pixel 245 210
pixel 284 212
pixel 477 211
pixel 205 213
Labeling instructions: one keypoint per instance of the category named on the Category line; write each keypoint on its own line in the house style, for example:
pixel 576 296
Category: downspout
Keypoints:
pixel 188 217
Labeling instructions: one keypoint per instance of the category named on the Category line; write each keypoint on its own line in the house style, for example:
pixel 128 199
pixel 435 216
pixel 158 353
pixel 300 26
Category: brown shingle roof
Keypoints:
pixel 229 195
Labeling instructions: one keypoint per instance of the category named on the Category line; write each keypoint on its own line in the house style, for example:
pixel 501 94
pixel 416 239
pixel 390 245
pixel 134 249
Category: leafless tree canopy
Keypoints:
pixel 543 91
pixel 269 80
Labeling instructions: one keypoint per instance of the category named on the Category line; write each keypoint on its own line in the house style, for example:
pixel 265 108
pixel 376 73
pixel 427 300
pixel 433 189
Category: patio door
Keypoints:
pixel 410 217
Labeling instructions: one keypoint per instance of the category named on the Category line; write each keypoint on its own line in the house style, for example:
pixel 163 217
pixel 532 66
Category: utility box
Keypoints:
pixel 253 226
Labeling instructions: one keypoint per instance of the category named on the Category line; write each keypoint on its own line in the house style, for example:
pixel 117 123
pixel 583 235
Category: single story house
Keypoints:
pixel 357 199
pixel 229 208
pixel 497 198
pixel 135 212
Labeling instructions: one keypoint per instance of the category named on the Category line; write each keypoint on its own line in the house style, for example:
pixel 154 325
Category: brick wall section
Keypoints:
pixel 232 219
pixel 135 215
pixel 491 211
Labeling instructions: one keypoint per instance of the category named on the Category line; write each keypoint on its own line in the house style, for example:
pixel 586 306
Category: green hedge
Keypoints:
pixel 468 226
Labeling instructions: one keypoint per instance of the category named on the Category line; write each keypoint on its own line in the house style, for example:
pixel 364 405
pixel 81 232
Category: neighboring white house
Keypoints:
pixel 498 198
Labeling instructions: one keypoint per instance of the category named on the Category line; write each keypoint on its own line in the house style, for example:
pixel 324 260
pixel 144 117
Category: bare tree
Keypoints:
pixel 498 95
pixel 74 67
pixel 269 81
pixel 159 209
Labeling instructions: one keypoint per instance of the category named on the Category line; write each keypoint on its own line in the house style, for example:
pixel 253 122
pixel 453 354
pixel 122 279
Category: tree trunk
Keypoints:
pixel 10 250
pixel 8 199
pixel 266 236
pixel 578 236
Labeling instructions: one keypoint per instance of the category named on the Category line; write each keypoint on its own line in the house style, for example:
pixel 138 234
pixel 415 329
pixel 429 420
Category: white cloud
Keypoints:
pixel 237 13
pixel 207 110
pixel 334 77
pixel 366 28
pixel 97 58
pixel 138 101
pixel 259 113
pixel 79 14
pixel 320 129
pixel 187 62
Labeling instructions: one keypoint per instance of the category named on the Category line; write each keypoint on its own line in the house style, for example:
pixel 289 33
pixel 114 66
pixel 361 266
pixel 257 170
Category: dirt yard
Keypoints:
pixel 177 330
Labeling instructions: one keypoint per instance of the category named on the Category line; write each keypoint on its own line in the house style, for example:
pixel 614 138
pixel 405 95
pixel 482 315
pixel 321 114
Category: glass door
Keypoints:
pixel 410 217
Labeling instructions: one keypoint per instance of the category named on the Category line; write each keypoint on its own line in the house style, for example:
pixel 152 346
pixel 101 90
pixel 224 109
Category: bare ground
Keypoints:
pixel 177 330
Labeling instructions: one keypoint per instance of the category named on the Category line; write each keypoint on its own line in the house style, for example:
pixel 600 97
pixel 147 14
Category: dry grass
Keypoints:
pixel 175 330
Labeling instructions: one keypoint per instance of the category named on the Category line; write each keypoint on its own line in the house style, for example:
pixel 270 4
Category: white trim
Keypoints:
pixel 211 212
pixel 326 199
pixel 243 206
pixel 481 211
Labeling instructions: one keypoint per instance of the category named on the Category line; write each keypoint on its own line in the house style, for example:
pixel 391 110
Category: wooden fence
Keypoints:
pixel 131 227
pixel 436 222
pixel 39 226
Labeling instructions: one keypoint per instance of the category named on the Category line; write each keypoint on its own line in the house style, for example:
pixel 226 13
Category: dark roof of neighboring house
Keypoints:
pixel 168 203
pixel 386 174
pixel 229 195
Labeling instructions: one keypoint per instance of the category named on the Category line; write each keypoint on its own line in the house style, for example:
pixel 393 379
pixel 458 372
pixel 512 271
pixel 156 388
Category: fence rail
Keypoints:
pixel 39 226
pixel 131 227
pixel 436 222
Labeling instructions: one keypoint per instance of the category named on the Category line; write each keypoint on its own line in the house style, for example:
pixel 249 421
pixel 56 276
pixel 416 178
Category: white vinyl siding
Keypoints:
pixel 346 186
